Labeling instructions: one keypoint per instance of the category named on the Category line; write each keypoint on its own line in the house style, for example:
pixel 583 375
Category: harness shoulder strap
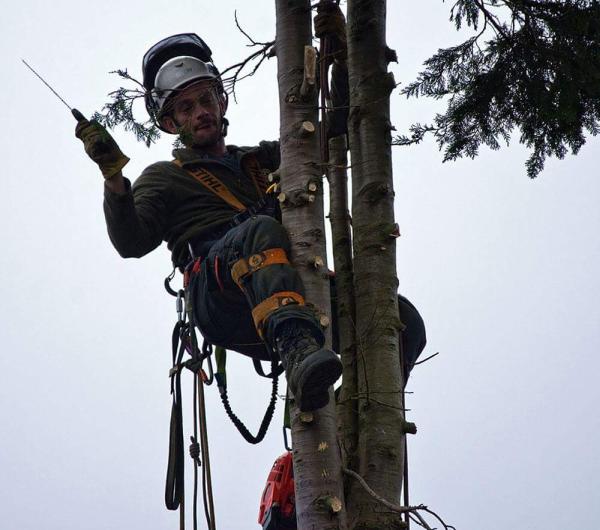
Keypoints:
pixel 212 183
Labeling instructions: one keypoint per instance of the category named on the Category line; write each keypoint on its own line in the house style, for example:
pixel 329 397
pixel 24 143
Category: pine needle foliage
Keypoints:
pixel 119 111
pixel 538 71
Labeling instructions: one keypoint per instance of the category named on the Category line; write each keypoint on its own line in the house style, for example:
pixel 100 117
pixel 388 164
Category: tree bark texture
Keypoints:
pixel 317 464
pixel 375 281
pixel 339 216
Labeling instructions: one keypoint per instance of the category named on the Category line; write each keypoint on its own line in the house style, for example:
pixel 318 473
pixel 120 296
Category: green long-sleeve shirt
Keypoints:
pixel 166 203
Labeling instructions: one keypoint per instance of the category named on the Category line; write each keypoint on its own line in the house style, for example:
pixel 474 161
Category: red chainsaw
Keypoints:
pixel 277 504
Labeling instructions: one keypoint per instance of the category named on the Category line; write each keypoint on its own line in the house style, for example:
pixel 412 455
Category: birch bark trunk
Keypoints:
pixel 317 465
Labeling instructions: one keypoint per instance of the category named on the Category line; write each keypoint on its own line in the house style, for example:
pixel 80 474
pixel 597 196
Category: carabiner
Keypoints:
pixel 179 305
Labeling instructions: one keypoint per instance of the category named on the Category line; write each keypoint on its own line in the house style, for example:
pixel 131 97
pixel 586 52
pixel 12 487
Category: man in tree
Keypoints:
pixel 211 206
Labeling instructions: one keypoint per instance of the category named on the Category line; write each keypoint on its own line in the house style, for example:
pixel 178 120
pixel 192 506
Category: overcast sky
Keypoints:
pixel 503 269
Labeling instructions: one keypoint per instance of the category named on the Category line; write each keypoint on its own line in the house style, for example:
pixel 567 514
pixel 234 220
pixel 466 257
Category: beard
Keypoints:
pixel 204 134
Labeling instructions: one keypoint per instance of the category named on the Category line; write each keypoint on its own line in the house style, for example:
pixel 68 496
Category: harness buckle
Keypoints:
pixel 244 267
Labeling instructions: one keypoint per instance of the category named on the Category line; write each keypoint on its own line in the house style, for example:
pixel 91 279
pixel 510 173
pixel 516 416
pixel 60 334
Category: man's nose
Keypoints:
pixel 200 110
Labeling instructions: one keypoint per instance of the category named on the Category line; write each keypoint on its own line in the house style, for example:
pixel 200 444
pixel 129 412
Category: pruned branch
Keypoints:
pixel 428 358
pixel 264 52
pixel 413 510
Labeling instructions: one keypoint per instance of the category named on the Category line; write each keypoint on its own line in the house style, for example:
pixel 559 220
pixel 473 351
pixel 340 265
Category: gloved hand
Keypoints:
pixel 100 146
pixel 330 22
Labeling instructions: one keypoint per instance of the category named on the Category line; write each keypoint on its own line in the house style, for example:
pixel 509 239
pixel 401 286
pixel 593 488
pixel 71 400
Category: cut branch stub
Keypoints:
pixel 390 82
pixel 390 55
pixel 310 72
pixel 408 427
pixel 296 198
pixel 395 233
pixel 307 417
pixel 330 503
pixel 306 129
pixel 317 262
pixel 375 191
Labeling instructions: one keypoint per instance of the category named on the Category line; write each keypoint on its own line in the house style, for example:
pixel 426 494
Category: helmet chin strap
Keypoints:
pixel 224 126
pixel 224 120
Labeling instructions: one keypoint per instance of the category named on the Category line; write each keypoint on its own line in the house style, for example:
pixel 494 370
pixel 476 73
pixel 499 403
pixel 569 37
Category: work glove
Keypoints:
pixel 100 145
pixel 330 22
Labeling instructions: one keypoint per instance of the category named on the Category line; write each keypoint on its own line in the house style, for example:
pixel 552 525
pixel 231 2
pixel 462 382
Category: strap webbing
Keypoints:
pixel 275 301
pixel 174 489
pixel 221 373
pixel 287 422
pixel 244 267
pixel 212 183
pixel 259 370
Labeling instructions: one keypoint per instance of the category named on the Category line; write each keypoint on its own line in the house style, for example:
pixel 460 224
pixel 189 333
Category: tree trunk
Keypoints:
pixel 377 331
pixel 317 466
pixel 341 235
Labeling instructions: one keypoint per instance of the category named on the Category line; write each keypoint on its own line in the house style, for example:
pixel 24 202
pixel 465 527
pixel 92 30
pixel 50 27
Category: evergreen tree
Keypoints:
pixel 532 65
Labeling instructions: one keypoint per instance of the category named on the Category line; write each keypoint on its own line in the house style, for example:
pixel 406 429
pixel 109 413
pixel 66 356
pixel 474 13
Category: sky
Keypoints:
pixel 503 269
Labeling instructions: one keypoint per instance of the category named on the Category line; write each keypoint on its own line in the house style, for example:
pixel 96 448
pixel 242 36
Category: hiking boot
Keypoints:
pixel 310 368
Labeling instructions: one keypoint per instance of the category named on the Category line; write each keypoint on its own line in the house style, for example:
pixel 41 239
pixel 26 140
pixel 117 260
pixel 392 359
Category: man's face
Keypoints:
pixel 197 114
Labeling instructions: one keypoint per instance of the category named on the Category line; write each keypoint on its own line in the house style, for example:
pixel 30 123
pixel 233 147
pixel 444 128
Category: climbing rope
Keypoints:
pixel 184 340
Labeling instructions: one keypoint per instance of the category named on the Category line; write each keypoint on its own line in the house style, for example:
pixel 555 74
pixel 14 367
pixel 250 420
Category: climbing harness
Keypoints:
pixel 185 340
pixel 267 203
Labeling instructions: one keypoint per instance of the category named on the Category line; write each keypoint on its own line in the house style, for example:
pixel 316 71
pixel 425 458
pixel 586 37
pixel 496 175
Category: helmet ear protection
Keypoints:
pixel 173 63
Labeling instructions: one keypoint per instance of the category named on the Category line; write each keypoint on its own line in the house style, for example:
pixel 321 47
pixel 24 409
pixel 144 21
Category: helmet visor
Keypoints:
pixel 176 45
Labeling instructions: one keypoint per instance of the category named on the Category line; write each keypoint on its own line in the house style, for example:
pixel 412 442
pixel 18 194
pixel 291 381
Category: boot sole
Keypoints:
pixel 317 373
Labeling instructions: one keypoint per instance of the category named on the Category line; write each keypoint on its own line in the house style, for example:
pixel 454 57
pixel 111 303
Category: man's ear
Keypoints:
pixel 168 123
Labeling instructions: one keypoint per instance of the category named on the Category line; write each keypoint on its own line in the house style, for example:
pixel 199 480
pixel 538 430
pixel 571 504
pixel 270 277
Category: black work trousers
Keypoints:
pixel 222 311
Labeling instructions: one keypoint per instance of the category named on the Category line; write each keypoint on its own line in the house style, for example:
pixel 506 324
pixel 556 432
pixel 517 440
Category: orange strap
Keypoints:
pixel 266 307
pixel 207 179
pixel 245 267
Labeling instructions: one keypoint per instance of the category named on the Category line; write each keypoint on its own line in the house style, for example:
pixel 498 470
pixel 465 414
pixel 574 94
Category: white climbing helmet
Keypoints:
pixel 177 73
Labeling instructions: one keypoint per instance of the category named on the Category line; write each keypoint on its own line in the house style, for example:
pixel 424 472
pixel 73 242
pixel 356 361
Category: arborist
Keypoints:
pixel 211 207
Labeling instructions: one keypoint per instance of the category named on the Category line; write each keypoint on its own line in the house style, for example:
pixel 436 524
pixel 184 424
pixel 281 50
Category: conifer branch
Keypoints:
pixel 540 77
